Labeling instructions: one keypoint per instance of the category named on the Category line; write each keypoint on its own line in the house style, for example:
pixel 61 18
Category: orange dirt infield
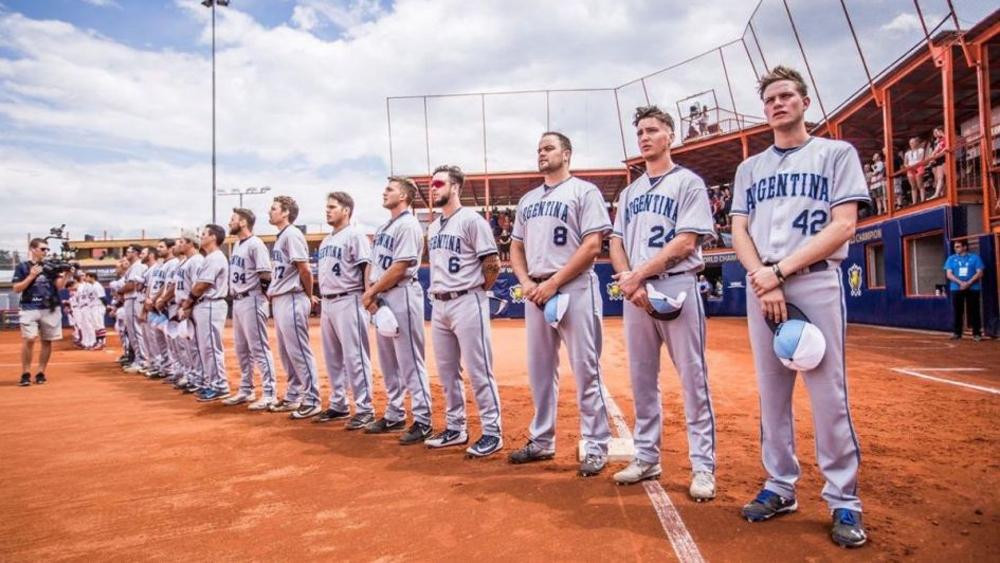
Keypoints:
pixel 97 464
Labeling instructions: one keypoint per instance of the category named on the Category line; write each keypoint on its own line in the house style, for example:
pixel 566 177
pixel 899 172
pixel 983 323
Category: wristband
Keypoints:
pixel 777 272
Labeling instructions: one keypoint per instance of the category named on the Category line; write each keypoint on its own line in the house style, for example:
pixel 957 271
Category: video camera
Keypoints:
pixel 57 264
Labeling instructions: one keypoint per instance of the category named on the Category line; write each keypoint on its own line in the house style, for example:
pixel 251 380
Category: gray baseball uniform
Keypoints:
pixel 787 197
pixel 210 319
pixel 651 212
pixel 157 341
pixel 249 258
pixel 551 222
pixel 185 281
pixel 343 256
pixel 460 321
pixel 291 317
pixel 172 350
pixel 402 358
pixel 133 306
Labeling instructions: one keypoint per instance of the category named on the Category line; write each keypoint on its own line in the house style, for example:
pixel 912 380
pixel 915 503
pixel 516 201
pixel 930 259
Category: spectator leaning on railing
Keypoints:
pixel 936 157
pixel 40 309
pixel 878 184
pixel 913 160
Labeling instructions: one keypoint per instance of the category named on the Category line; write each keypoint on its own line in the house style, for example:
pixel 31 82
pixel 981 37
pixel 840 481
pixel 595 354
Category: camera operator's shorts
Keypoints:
pixel 48 322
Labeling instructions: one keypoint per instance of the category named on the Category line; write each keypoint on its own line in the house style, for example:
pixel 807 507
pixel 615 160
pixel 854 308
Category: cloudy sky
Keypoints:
pixel 105 107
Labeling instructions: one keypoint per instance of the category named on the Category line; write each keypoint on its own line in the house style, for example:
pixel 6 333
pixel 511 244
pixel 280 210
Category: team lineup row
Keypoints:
pixel 793 212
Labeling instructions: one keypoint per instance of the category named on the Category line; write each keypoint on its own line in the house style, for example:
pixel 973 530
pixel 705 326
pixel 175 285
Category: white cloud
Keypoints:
pixel 305 114
pixel 905 22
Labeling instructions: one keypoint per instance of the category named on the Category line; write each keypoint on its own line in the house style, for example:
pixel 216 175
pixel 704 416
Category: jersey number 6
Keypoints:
pixel 453 265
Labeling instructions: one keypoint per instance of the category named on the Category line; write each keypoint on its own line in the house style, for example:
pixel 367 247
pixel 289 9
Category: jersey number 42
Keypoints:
pixel 810 222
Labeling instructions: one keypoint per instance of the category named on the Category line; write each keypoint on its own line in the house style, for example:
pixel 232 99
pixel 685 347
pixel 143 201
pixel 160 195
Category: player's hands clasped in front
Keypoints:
pixel 763 280
pixel 629 282
pixel 368 302
pixel 542 292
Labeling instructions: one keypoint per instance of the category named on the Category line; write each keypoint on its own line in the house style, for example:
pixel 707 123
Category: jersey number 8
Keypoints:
pixel 559 236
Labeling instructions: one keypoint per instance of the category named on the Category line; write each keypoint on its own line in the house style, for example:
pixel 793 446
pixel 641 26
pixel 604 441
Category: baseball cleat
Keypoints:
pixel 284 405
pixel 636 471
pixel 305 411
pixel 848 531
pixel 767 505
pixel 209 395
pixel 262 404
pixel 132 368
pixel 40 378
pixel 360 421
pixel 238 398
pixel 181 383
pixel 190 388
pixel 486 445
pixel 447 438
pixel 330 415
pixel 702 486
pixel 417 433
pixel 592 465
pixel 382 425
pixel 530 452
pixel 25 380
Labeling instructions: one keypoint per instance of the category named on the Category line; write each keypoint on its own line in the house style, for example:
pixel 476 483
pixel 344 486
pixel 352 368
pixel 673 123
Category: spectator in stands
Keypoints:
pixel 965 270
pixel 693 114
pixel 936 158
pixel 878 183
pixel 703 120
pixel 914 162
pixel 503 245
pixel 901 186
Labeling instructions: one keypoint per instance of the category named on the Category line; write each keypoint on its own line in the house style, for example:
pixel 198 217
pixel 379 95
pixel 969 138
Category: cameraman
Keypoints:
pixel 40 311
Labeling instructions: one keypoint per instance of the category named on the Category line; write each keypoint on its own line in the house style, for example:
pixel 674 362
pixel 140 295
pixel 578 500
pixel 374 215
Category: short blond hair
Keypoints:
pixel 778 74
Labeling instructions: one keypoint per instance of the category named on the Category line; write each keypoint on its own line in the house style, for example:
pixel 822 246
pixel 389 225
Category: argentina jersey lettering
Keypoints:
pixel 457 245
pixel 341 256
pixel 552 221
pixel 399 240
pixel 788 195
pixel 652 211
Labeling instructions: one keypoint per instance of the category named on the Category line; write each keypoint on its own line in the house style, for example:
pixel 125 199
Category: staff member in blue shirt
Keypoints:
pixel 40 313
pixel 965 270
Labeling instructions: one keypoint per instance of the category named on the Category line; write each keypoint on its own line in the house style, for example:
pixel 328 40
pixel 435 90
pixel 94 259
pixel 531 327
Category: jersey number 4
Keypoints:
pixel 810 222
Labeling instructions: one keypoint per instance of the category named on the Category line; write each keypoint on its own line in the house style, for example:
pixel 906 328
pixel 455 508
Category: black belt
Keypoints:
pixel 244 294
pixel 449 295
pixel 665 275
pixel 820 266
pixel 540 279
pixel 339 295
pixel 203 300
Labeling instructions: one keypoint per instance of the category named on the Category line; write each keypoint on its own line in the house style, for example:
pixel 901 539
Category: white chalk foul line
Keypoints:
pixel 914 373
pixel 680 539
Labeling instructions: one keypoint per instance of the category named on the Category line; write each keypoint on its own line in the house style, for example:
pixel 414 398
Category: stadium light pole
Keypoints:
pixel 211 4
pixel 242 192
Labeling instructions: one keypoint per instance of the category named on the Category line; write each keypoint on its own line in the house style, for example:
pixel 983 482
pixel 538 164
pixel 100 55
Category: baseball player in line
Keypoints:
pixel 207 306
pixel 291 295
pixel 158 304
pixel 153 359
pixel 157 275
pixel 344 259
pixel 132 291
pixel 794 211
pixel 184 281
pixel 664 216
pixel 97 308
pixel 165 304
pixel 464 263
pixel 397 251
pixel 557 234
pixel 249 276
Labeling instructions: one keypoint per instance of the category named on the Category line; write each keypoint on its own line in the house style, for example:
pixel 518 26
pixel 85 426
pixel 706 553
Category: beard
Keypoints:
pixel 442 201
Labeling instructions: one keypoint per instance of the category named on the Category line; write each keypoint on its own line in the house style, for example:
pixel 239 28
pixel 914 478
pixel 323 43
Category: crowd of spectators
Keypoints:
pixel 919 177
pixel 721 200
